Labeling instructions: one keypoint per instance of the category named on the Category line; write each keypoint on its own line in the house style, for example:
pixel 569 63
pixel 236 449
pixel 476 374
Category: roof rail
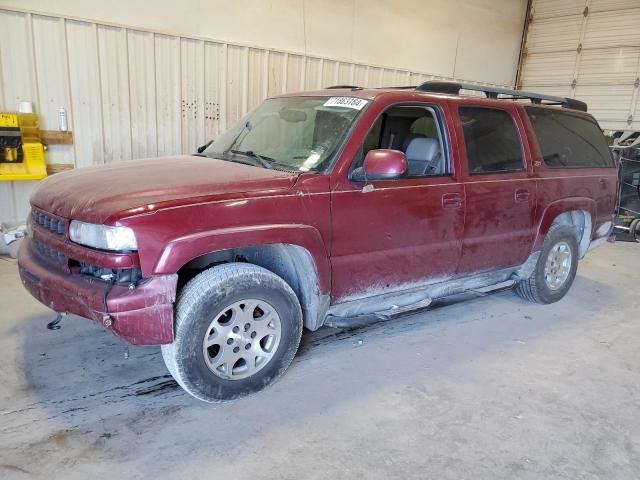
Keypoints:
pixel 352 87
pixel 453 88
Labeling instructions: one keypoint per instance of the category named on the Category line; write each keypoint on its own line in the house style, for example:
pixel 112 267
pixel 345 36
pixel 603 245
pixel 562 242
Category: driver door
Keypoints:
pixel 391 234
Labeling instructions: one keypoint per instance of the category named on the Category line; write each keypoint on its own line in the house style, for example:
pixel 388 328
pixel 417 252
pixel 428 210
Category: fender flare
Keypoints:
pixel 557 208
pixel 180 251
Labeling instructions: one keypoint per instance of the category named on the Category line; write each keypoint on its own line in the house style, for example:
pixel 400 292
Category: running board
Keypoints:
pixel 366 318
pixel 364 311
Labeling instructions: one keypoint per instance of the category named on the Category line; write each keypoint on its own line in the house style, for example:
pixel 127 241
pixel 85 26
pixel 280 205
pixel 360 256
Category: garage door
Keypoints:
pixel 590 50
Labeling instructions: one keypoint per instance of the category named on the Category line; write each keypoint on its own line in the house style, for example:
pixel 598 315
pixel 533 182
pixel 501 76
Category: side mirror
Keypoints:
pixel 382 164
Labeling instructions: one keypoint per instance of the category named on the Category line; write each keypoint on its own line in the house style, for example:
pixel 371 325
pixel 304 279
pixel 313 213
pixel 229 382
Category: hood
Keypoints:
pixel 95 194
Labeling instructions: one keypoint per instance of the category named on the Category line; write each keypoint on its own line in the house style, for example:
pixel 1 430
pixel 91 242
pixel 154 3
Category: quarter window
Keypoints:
pixel 568 140
pixel 492 140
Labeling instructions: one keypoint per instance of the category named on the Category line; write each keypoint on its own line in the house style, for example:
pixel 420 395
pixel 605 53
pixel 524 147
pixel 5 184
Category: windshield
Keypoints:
pixel 292 133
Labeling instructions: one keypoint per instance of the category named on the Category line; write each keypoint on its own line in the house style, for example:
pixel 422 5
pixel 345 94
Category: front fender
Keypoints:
pixel 553 210
pixel 179 251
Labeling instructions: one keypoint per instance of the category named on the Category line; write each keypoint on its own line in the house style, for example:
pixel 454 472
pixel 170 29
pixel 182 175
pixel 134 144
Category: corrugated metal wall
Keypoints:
pixel 131 93
pixel 588 49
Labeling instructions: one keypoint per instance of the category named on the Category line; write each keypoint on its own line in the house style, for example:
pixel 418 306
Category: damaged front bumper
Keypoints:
pixel 140 313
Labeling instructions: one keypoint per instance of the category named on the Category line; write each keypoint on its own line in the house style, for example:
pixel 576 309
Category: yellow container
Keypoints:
pixel 9 120
pixel 29 127
pixel 33 165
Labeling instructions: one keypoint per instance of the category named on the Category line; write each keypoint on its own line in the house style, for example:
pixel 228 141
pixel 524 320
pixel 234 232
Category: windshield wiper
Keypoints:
pixel 263 161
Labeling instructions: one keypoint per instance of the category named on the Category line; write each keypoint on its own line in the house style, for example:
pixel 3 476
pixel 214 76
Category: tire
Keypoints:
pixel 542 289
pixel 213 304
pixel 634 229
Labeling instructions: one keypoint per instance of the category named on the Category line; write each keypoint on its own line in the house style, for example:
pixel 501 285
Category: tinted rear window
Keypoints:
pixel 491 139
pixel 568 140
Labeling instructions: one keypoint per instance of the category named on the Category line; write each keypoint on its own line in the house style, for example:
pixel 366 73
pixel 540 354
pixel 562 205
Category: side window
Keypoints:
pixel 492 141
pixel 372 140
pixel 414 131
pixel 569 140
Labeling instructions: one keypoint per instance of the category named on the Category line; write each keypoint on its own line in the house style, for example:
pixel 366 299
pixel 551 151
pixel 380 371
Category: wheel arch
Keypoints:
pixel 577 213
pixel 295 253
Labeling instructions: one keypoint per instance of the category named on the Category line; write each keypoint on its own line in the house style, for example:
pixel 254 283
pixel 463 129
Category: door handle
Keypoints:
pixel 522 195
pixel 451 200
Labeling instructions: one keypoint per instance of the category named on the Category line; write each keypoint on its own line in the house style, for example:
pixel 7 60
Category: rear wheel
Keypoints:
pixel 238 327
pixel 634 229
pixel 555 269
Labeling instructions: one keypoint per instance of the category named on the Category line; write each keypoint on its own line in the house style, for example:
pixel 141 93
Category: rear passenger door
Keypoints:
pixel 499 190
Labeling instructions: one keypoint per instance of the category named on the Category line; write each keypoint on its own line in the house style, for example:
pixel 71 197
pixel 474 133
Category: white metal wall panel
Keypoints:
pixel 132 93
pixel 168 95
pixel 609 104
pixel 257 81
pixel 114 85
pixel 588 49
pixel 313 73
pixel 403 79
pixel 84 82
pixel 561 90
pixel 557 8
pixel 554 68
pixel 16 63
pixel 7 202
pixel 331 73
pixel 361 75
pixel 608 66
pixel 417 78
pixel 214 90
pixel 276 74
pixel 295 67
pixel 613 29
pixel 345 73
pixel 142 91
pixel 49 45
pixel 609 5
pixel 192 81
pixel 375 77
pixel 554 34
pixel 236 82
pixel 389 77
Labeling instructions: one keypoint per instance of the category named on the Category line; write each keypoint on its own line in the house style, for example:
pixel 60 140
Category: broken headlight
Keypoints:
pixel 102 236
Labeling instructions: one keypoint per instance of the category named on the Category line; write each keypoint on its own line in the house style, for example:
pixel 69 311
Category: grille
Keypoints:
pixel 48 222
pixel 48 252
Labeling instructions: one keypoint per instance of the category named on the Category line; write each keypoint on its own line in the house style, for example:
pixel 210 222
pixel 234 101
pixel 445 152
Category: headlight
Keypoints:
pixel 102 236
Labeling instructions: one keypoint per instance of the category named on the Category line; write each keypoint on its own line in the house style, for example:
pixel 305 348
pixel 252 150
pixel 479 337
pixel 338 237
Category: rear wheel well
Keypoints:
pixel 580 222
pixel 294 264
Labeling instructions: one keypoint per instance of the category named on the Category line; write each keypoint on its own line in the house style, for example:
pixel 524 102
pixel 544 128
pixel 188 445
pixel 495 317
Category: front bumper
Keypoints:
pixel 142 315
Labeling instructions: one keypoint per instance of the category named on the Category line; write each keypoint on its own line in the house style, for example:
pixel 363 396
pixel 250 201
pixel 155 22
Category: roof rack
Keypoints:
pixel 453 88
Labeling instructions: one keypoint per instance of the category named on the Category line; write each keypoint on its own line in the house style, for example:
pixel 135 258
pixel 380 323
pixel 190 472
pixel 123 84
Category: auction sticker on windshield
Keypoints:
pixel 348 102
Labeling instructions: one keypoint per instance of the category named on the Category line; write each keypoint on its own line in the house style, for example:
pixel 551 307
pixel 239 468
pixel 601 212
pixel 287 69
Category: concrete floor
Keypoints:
pixel 489 388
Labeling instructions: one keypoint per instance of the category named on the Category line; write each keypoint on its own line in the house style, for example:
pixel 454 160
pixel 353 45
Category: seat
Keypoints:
pixel 424 156
pixel 409 138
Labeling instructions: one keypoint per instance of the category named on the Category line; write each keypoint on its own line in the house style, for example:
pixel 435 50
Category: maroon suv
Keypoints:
pixel 322 208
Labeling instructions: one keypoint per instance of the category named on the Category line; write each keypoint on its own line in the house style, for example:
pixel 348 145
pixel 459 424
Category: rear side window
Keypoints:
pixel 568 140
pixel 492 140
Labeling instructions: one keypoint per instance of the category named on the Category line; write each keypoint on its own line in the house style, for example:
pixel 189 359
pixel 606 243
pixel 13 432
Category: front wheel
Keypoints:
pixel 555 269
pixel 238 327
